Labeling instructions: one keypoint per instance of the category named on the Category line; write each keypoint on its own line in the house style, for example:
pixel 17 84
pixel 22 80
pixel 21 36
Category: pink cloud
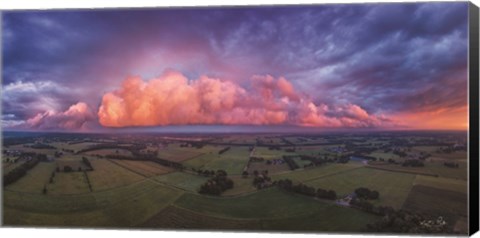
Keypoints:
pixel 173 99
pixel 76 117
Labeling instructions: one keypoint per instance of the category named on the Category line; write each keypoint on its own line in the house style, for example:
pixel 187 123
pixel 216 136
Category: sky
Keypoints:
pixel 395 66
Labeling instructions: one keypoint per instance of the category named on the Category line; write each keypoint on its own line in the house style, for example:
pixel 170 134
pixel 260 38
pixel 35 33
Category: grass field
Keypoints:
pixel 109 175
pixel 241 186
pixel 266 153
pixel 276 209
pixel 437 167
pixel 174 217
pixel 233 161
pixel 200 161
pixel 35 179
pixel 455 185
pixel 437 202
pixel 104 152
pixel 272 168
pixel 68 183
pixel 316 172
pixel 182 180
pixel 301 163
pixel 178 154
pixel 385 156
pixel 144 168
pixel 134 193
pixel 393 187
pixel 123 207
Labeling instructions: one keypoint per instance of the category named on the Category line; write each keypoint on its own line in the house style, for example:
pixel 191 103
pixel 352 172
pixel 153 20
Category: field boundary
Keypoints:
pixel 332 174
pixel 403 171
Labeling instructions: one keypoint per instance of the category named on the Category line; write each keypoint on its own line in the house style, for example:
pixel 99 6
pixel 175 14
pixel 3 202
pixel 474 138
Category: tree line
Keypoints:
pixel 217 185
pixel 21 170
pixel 287 185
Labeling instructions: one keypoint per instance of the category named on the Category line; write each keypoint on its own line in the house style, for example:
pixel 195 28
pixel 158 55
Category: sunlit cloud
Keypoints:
pixel 173 99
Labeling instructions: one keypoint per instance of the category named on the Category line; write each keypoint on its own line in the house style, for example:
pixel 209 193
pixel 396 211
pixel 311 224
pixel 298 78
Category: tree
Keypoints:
pixel 67 168
pixel 245 174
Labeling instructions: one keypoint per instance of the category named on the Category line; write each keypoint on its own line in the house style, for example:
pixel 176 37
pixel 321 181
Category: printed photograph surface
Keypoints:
pixel 338 118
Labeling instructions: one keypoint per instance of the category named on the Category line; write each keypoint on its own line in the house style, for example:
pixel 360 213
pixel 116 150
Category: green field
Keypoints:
pixel 184 181
pixel 241 186
pixel 143 168
pixel 122 207
pixel 109 175
pixel 233 161
pixel 393 187
pixel 316 172
pixel 273 204
pixel 35 179
pixel 141 193
pixel 200 161
pixel 452 206
pixel 455 185
pixel 68 183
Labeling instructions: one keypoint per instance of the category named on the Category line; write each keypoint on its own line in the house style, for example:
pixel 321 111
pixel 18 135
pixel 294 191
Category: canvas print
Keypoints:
pixel 339 118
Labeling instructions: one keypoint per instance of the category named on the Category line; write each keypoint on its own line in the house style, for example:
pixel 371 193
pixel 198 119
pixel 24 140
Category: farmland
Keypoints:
pixel 156 181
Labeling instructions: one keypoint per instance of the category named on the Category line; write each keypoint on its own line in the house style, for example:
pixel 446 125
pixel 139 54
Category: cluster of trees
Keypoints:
pixel 392 161
pixel 88 181
pixel 52 176
pixel 274 147
pixel 413 163
pixel 343 159
pixel 87 163
pixel 400 153
pixel 451 164
pixel 370 208
pixel 287 141
pixel 148 157
pixel 218 184
pixel 58 154
pixel 20 171
pixel 42 146
pixel 424 156
pixel 206 173
pixel 365 193
pixel 275 161
pixel 193 144
pixel 132 148
pixel 402 221
pixel 67 169
pixel 261 179
pixel 300 188
pixel 290 162
pixel 223 150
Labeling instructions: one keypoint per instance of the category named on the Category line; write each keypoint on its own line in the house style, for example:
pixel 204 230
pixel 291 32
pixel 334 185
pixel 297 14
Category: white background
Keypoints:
pixel 73 233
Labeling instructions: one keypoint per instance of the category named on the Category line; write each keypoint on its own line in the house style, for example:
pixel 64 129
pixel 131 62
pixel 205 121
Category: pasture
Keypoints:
pixel 34 180
pixel 135 193
pixel 233 161
pixel 144 168
pixel 122 207
pixel 393 187
pixel 181 180
pixel 303 175
pixel 448 204
pixel 109 175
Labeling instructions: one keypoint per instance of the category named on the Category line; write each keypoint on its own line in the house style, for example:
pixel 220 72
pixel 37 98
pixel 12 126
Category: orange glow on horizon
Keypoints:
pixel 441 119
